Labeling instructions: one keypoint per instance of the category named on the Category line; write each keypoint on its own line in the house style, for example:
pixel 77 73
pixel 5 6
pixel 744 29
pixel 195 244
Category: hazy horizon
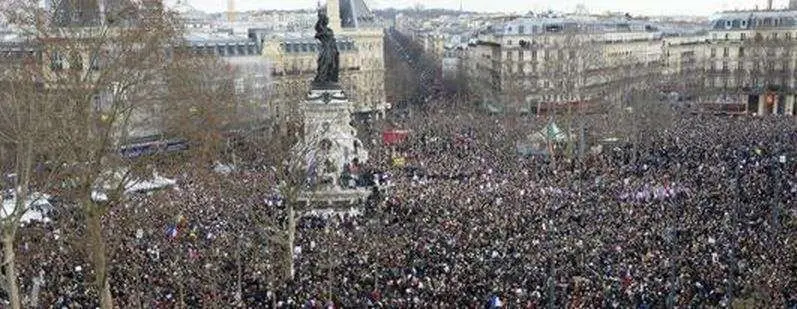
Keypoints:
pixel 644 7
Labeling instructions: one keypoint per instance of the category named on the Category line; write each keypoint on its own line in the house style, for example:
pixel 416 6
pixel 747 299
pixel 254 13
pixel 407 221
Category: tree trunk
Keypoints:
pixel 106 299
pixel 290 242
pixel 98 258
pixel 9 259
pixel 240 295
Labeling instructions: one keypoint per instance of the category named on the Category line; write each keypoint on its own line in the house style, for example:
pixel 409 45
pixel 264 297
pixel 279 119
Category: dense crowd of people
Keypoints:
pixel 699 213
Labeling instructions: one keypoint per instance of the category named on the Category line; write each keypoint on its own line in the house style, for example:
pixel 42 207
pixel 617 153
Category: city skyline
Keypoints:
pixel 673 7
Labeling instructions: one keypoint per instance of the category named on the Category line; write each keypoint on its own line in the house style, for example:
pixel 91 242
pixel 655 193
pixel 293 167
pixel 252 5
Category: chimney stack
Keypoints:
pixel 769 5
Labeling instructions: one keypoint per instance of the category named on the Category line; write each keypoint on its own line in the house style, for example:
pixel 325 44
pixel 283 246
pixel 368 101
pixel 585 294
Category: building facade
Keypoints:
pixel 250 71
pixel 540 63
pixel 741 62
pixel 745 62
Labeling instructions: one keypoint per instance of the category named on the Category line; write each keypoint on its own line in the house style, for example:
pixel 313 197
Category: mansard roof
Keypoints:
pixel 744 20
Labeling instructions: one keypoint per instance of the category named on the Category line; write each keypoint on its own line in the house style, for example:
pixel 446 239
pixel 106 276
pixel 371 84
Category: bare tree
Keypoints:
pixel 412 71
pixel 29 156
pixel 105 67
pixel 202 103
pixel 278 225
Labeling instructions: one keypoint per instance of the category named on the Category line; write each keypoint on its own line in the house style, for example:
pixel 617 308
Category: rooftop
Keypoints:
pixel 223 44
pixel 741 20
pixel 594 24
pixel 214 38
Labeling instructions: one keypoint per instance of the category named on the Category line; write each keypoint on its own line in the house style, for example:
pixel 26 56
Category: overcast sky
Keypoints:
pixel 646 7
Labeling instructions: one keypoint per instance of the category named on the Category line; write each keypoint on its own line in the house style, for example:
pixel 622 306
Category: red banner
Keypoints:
pixel 394 136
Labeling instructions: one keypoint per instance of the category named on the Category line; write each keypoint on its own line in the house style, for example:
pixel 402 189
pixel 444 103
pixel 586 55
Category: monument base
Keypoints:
pixel 325 86
pixel 329 146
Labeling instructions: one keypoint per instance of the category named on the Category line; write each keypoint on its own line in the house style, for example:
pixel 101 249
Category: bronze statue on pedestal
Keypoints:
pixel 328 58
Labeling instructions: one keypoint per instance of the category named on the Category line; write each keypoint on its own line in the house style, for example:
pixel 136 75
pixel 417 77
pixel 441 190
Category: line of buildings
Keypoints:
pixel 745 58
pixel 740 61
pixel 288 48
pixel 272 63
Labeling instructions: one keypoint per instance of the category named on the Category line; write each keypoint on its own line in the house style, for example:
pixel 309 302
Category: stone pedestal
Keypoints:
pixel 329 144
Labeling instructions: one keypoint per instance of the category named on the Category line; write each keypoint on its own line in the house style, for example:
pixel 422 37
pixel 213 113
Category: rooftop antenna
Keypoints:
pixel 460 6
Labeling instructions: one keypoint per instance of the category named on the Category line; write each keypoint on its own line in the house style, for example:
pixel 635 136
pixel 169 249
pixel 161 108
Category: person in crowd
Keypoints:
pixel 700 213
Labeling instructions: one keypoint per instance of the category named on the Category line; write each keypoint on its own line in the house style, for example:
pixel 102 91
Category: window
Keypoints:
pixel 533 55
pixel 727 36
pixel 725 52
pixel 509 43
pixel 788 36
pixel 56 61
pixel 240 86
pixel 775 36
pixel 713 52
pixel 743 36
pixel 725 66
pixel 521 29
pixel 520 56
pixel 741 51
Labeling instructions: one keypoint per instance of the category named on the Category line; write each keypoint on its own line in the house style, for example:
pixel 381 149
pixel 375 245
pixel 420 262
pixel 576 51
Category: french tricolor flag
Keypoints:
pixel 171 232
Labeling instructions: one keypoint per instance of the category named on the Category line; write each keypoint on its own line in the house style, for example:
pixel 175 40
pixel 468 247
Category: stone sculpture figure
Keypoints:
pixel 328 58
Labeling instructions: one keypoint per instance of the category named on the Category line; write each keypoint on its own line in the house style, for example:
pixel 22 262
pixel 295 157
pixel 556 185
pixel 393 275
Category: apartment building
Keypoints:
pixel 541 63
pixel 748 59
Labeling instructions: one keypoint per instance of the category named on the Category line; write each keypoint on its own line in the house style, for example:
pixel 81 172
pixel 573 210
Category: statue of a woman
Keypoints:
pixel 327 73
